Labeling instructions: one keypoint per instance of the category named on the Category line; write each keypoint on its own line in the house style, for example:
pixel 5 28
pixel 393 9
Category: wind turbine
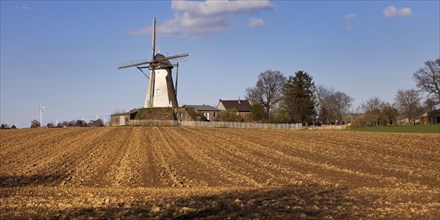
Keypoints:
pixel 41 114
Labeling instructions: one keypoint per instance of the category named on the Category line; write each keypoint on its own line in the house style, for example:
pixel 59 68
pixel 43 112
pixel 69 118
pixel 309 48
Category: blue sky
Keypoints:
pixel 65 54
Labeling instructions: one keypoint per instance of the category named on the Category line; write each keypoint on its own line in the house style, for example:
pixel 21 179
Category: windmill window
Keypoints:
pixel 157 91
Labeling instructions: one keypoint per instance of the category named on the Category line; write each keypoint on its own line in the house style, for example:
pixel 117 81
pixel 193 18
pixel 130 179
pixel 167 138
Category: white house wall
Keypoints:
pixel 220 106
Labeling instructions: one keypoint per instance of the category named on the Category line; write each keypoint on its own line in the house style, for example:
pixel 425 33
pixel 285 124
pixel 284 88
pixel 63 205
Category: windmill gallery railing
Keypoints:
pixel 218 124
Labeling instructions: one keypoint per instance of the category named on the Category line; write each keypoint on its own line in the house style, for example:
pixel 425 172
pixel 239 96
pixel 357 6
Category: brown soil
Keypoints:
pixel 169 172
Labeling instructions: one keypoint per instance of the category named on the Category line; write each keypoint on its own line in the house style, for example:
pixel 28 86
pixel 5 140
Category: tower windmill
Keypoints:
pixel 41 114
pixel 161 91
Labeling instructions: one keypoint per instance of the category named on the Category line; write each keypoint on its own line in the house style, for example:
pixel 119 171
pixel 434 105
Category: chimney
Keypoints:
pixel 239 102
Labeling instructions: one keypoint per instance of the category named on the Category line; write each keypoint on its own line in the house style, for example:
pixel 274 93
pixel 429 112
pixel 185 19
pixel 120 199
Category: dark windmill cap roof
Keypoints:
pixel 163 62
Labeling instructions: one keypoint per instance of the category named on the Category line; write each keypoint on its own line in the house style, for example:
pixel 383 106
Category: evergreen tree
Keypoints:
pixel 299 97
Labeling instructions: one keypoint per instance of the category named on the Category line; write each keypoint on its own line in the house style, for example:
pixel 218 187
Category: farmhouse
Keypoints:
pixel 243 107
pixel 209 112
pixel 170 116
pixel 431 117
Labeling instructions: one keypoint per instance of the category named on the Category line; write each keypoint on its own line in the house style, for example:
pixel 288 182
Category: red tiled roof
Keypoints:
pixel 240 105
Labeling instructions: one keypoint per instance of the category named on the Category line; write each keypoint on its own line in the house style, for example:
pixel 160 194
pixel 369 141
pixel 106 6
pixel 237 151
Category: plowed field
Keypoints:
pixel 179 172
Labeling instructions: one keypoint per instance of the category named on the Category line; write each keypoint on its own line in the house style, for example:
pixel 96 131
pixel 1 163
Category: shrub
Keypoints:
pixel 230 115
pixel 35 124
pixel 96 123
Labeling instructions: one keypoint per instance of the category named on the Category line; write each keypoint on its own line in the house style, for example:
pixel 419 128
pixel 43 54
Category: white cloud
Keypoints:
pixel 195 18
pixel 405 12
pixel 393 11
pixel 350 16
pixel 22 7
pixel 348 27
pixel 255 22
pixel 214 7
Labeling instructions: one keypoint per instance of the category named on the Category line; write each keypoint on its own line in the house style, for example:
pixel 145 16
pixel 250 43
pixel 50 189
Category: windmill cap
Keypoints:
pixel 162 60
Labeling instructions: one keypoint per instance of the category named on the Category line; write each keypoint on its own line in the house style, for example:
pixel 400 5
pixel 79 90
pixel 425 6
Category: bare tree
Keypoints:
pixel 333 105
pixel 268 90
pixel 372 104
pixel 389 114
pixel 322 98
pixel 378 112
pixel 408 103
pixel 428 78
pixel 373 111
pixel 430 104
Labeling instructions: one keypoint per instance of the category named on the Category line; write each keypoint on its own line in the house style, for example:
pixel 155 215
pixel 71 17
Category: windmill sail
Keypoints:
pixel 161 91
pixel 133 64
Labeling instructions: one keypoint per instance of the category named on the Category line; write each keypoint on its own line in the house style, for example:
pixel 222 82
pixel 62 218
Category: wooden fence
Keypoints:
pixel 219 124
pixel 328 127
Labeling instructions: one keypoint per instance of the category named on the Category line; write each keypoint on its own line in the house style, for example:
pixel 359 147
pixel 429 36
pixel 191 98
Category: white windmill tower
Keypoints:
pixel 41 114
pixel 161 91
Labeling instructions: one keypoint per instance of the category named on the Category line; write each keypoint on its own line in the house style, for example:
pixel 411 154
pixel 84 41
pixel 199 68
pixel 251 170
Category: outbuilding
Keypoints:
pixel 209 112
pixel 119 119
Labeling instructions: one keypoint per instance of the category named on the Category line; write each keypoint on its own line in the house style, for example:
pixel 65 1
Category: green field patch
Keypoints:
pixel 401 128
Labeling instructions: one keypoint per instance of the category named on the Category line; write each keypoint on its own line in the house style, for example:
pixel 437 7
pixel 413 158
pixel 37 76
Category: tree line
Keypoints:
pixel 296 99
pixel 73 123
pixel 6 126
